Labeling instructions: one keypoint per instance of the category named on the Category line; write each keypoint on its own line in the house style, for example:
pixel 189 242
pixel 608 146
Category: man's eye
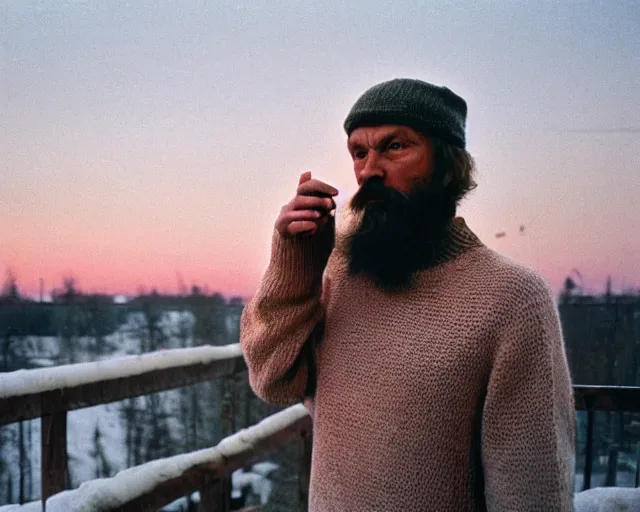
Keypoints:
pixel 359 155
pixel 394 146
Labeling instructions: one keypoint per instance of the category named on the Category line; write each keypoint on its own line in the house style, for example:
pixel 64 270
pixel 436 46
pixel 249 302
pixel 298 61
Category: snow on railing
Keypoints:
pixel 40 380
pixel 159 482
pixel 28 394
pixel 49 393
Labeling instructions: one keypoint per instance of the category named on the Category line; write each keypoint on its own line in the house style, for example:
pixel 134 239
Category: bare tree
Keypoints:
pixel 10 286
pixel 69 321
pixel 103 466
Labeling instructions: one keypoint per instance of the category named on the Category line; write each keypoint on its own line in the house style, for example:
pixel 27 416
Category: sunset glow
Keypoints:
pixel 147 148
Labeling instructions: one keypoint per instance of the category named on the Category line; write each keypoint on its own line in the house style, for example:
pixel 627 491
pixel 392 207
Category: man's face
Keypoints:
pixel 401 199
pixel 401 157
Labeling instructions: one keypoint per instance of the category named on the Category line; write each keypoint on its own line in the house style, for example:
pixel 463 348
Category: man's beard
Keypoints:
pixel 398 234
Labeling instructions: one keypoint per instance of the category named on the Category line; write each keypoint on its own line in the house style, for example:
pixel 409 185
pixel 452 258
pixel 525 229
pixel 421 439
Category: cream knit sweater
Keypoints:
pixel 455 396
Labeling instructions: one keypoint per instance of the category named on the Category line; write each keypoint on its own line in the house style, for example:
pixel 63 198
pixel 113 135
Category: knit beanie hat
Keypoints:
pixel 429 109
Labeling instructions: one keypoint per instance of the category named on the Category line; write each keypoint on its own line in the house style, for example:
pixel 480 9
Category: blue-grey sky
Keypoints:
pixel 139 140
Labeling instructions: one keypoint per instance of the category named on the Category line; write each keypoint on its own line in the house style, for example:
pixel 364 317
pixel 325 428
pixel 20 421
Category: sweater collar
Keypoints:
pixel 458 239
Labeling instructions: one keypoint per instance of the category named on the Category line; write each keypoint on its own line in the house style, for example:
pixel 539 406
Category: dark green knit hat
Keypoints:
pixel 430 109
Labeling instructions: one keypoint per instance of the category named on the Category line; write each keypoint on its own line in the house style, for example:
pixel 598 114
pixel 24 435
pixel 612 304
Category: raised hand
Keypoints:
pixel 308 212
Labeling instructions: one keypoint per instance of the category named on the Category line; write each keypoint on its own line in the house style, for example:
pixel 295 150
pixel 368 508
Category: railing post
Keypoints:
pixel 22 458
pixel 612 467
pixel 215 495
pixel 588 464
pixel 53 446
pixel 305 467
pixel 637 480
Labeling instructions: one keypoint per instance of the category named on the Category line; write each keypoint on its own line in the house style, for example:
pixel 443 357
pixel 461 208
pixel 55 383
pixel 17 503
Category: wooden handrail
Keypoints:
pixel 607 398
pixel 602 398
pixel 157 483
pixel 49 393
pixel 28 394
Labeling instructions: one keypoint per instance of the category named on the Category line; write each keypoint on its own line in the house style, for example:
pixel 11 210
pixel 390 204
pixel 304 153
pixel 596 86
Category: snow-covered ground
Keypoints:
pixel 608 499
pixel 256 480
pixel 81 427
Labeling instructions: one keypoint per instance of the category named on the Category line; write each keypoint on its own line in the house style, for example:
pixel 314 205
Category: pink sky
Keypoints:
pixel 138 144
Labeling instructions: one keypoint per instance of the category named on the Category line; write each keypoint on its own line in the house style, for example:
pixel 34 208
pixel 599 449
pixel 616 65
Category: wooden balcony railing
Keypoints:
pixel 604 398
pixel 50 393
pixel 150 486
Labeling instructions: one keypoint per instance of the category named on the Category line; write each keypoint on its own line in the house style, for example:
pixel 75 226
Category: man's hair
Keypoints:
pixel 454 171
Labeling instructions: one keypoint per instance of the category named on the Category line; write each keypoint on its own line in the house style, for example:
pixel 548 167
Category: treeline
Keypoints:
pixel 74 318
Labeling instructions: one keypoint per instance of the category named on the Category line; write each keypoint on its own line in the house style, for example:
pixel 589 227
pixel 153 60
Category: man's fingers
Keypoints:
pixel 313 203
pixel 304 177
pixel 316 187
pixel 303 227
pixel 308 211
pixel 301 222
pixel 297 215
pixel 292 216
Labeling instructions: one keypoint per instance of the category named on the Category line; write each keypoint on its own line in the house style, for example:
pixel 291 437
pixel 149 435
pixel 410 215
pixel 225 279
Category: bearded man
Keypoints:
pixel 434 367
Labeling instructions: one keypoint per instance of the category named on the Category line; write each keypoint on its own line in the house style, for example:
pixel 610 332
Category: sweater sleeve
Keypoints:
pixel 528 430
pixel 281 324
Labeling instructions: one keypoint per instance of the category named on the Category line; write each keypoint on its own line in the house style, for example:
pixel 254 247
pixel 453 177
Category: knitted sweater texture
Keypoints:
pixel 453 396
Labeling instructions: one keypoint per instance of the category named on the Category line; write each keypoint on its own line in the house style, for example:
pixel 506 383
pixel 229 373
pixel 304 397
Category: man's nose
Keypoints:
pixel 372 167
